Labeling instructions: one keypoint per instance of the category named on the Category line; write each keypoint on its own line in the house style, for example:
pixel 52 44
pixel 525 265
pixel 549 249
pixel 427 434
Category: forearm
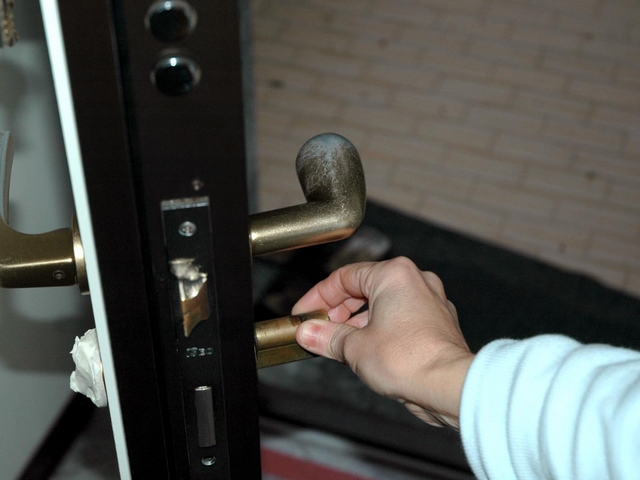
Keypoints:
pixel 549 407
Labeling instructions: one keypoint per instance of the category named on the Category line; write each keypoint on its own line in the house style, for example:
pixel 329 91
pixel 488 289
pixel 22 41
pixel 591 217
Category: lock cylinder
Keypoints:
pixel 276 339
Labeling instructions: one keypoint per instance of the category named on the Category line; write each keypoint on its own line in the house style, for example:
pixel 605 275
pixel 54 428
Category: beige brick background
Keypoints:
pixel 515 122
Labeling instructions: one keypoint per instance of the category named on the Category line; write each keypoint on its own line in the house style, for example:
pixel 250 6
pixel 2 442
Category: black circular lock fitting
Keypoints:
pixel 176 75
pixel 171 20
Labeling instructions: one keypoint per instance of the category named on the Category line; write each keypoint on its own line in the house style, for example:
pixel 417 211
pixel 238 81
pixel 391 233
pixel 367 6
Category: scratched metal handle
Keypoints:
pixel 332 179
pixel 44 260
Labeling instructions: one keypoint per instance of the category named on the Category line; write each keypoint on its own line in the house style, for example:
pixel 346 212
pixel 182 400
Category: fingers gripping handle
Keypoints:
pixel 44 260
pixel 332 179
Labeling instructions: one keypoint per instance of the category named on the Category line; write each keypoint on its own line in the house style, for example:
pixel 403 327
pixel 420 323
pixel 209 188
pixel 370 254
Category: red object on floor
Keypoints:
pixel 292 468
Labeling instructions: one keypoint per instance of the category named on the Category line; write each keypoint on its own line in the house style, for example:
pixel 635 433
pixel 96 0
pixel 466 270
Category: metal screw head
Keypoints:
pixel 208 461
pixel 58 274
pixel 187 229
pixel 197 184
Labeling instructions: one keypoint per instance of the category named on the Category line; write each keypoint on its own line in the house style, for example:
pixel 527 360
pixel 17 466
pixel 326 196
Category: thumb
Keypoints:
pixel 324 338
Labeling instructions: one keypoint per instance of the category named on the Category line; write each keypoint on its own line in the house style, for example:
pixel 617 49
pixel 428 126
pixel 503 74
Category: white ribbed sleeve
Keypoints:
pixel 550 407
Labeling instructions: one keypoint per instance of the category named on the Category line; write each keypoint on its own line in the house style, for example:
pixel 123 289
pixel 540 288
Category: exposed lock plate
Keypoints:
pixel 192 333
pixel 181 219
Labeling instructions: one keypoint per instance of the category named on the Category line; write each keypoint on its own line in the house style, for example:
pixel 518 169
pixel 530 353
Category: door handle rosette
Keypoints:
pixel 49 259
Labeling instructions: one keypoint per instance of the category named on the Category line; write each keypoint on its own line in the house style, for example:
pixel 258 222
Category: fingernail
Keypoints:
pixel 308 332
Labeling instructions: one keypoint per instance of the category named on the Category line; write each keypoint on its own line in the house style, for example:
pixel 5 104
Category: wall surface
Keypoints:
pixel 517 122
pixel 37 326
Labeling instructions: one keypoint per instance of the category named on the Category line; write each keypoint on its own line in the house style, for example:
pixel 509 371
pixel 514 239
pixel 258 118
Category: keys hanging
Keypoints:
pixel 9 35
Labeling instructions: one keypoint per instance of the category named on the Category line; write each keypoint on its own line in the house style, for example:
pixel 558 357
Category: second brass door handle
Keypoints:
pixel 49 259
pixel 332 179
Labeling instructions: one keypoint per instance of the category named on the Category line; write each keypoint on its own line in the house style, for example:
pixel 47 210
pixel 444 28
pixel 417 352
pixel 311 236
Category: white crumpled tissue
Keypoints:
pixel 87 378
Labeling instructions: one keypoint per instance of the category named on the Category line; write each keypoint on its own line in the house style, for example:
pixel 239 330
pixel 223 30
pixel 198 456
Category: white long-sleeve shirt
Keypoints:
pixel 550 407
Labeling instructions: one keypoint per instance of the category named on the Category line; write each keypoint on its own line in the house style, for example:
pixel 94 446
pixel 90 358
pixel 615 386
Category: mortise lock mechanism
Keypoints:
pixel 43 260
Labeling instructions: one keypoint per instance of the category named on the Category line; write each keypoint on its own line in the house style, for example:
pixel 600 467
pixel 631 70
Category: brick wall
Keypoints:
pixel 517 122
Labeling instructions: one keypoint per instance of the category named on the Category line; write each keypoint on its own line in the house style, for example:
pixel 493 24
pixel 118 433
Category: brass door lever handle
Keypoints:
pixel 332 179
pixel 49 259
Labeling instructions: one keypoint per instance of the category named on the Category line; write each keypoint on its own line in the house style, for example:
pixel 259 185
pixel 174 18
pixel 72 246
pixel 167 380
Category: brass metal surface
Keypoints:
pixel 194 296
pixel 332 179
pixel 281 355
pixel 43 260
pixel 276 339
pixel 78 254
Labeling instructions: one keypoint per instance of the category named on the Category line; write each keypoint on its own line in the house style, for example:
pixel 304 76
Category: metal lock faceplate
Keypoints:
pixel 193 335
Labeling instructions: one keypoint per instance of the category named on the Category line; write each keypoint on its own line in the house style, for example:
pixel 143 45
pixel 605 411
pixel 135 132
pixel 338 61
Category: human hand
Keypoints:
pixel 407 346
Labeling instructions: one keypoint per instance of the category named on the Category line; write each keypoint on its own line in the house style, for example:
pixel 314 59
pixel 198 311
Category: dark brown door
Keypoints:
pixel 158 103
